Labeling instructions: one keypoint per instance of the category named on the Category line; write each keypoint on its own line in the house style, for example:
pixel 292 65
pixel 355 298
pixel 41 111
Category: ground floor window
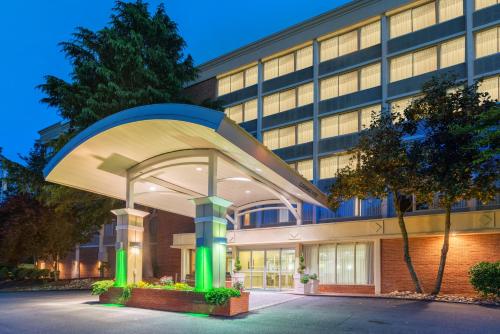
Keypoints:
pixel 341 263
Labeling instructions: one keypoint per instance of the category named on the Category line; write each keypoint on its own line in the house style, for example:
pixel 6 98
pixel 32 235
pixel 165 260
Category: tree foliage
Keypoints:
pixel 382 168
pixel 456 152
pixel 136 60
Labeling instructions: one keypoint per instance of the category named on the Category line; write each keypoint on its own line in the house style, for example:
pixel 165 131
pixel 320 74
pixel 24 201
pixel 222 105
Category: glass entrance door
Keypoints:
pixel 268 269
pixel 273 269
pixel 258 269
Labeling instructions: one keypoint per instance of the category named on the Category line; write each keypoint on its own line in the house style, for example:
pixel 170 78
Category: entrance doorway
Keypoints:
pixel 270 269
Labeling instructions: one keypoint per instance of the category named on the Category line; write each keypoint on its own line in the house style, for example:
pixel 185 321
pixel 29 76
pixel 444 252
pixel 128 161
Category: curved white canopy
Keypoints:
pixel 164 149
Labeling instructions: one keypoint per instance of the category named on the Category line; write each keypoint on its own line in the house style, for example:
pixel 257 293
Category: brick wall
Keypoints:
pixel 334 288
pixel 168 258
pixel 464 251
pixel 205 90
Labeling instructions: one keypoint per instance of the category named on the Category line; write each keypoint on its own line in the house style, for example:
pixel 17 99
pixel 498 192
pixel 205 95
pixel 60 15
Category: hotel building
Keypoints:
pixel 306 93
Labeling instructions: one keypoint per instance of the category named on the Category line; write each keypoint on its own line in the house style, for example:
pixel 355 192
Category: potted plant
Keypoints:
pixel 314 283
pixel 298 277
pixel 238 277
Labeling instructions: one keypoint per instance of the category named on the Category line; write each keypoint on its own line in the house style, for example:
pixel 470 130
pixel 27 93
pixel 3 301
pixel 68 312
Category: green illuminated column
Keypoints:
pixel 129 231
pixel 211 225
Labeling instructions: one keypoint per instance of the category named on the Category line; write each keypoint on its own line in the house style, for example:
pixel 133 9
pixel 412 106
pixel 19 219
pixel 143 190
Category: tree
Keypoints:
pixel 384 170
pixel 136 60
pixel 457 153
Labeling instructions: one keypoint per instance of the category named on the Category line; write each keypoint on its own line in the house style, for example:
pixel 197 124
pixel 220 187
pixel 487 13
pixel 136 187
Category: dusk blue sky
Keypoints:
pixel 32 29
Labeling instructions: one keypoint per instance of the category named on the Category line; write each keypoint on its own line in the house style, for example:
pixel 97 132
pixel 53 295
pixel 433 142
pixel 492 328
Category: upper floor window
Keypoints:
pixel 423 61
pixel 492 86
pixel 424 16
pixel 350 82
pixel 304 168
pixel 237 81
pixel 289 136
pixel 399 106
pixel 349 42
pixel 288 63
pixel 330 166
pixel 480 4
pixel 288 99
pixel 345 123
pixel 487 42
pixel 243 112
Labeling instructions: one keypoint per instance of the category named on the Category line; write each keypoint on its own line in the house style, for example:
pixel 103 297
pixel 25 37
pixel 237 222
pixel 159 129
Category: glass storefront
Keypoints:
pixel 268 269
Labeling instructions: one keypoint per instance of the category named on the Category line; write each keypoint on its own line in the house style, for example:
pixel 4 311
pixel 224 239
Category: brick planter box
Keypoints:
pixel 177 301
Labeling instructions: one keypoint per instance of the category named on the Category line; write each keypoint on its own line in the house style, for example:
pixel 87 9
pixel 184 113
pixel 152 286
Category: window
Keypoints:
pixel 235 113
pixel 329 88
pixel 343 263
pixel 423 61
pixel 346 43
pixel 329 49
pixel 370 35
pixel 305 94
pixel 288 63
pixel 288 136
pixel 288 99
pixel 491 85
pixel 370 76
pixel 272 139
pixel 305 132
pixel 251 76
pixel 398 106
pixel 452 52
pixel 243 112
pixel 487 42
pixel 304 58
pixel 329 166
pixel 424 16
pixel 237 81
pixel 350 82
pixel 348 123
pixel 305 168
pixel 271 69
pixel 368 114
pixel 480 4
pixel 342 124
pixel 449 9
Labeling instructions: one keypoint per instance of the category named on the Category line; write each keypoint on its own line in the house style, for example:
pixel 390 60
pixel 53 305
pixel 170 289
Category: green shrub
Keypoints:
pixel 239 286
pixel 485 278
pixel 126 293
pixel 220 296
pixel 100 287
pixel 4 273
pixel 21 273
pixel 304 279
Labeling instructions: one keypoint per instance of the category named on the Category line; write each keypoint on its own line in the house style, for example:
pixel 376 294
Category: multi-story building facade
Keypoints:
pixel 306 92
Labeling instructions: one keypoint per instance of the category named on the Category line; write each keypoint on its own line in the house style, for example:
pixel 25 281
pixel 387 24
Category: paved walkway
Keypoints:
pixel 77 312
pixel 262 299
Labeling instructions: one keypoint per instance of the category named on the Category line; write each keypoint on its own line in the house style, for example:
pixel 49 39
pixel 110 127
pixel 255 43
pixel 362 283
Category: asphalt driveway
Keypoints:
pixel 77 312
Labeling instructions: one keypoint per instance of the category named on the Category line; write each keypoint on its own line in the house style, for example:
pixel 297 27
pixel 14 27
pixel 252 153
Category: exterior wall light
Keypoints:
pixel 135 248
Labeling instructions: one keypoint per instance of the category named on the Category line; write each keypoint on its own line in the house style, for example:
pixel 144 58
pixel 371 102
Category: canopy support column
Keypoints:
pixel 129 237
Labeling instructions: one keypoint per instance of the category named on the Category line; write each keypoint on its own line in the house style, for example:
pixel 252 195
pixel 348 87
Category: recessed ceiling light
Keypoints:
pixel 238 178
pixel 247 191
pixel 258 169
pixel 152 188
pixel 199 169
